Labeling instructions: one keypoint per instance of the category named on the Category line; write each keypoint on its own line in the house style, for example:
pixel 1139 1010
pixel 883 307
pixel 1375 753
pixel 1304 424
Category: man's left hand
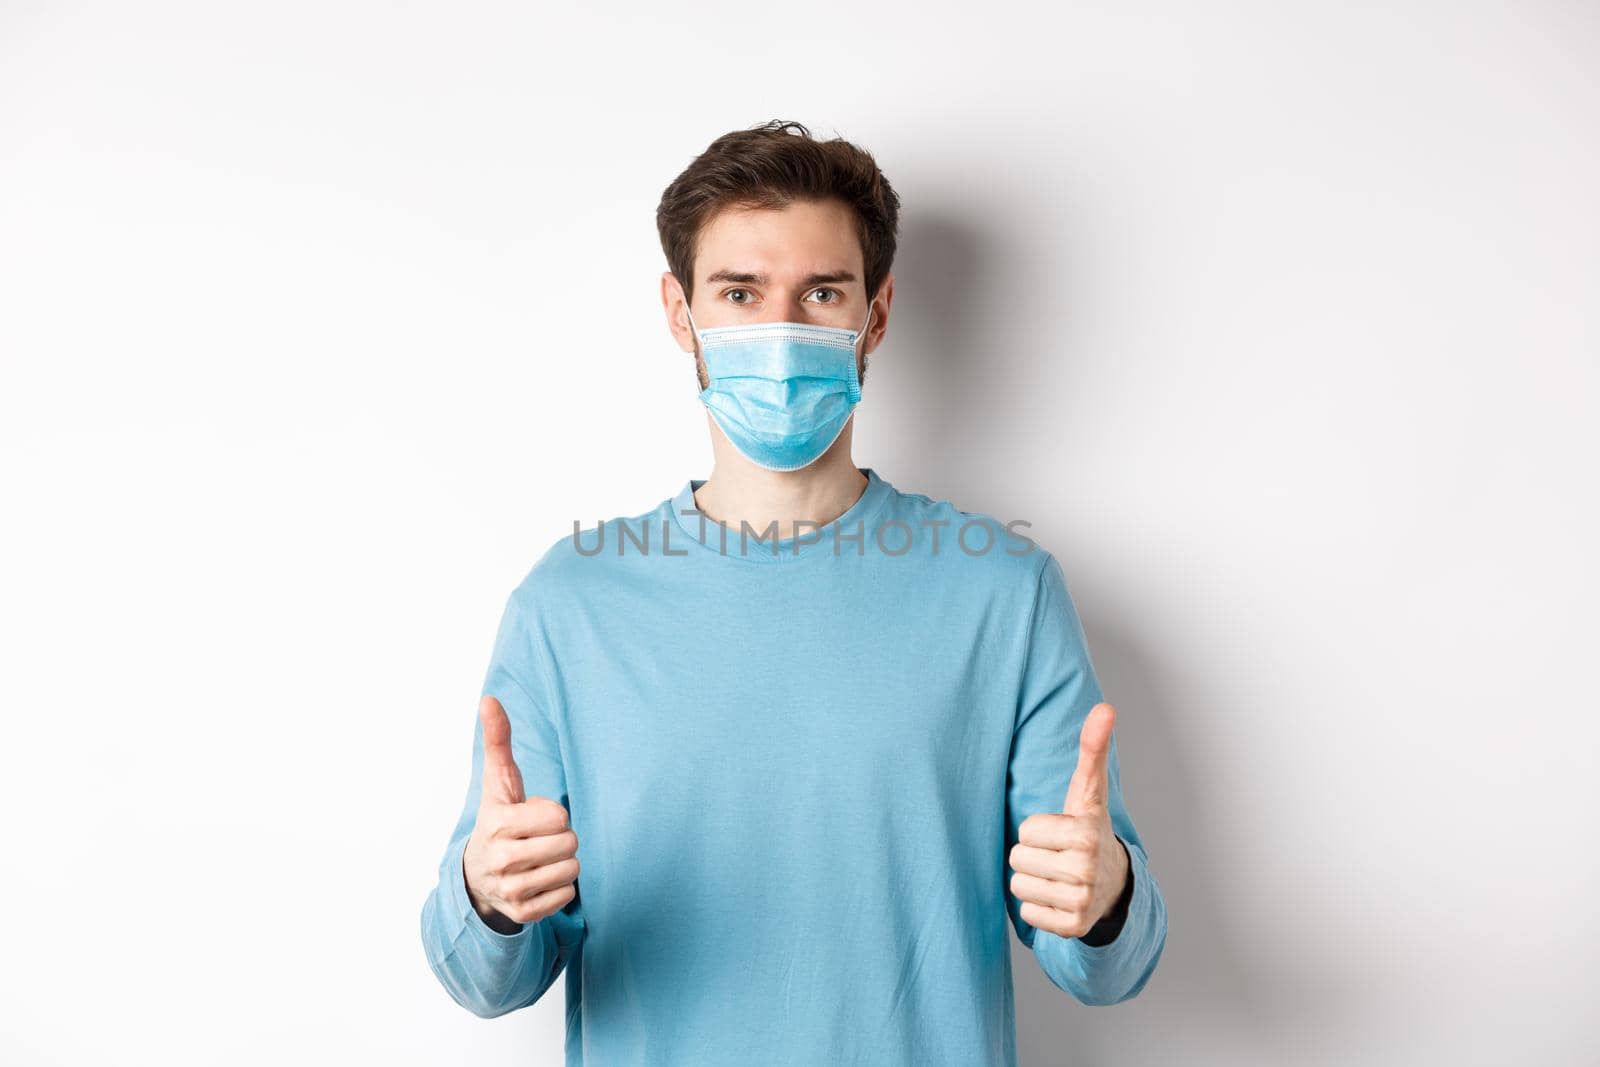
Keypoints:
pixel 1070 869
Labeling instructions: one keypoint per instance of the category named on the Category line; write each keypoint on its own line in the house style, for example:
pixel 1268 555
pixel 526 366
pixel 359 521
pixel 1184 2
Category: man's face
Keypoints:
pixel 800 263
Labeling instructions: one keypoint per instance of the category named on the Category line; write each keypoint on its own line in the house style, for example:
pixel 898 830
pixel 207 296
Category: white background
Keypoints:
pixel 319 322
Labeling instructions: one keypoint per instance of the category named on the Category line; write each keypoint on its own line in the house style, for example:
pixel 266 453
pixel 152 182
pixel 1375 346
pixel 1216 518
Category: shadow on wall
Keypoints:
pixel 1219 994
pixel 983 418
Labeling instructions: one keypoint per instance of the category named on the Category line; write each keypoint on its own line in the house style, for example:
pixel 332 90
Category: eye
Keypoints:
pixel 729 293
pixel 837 295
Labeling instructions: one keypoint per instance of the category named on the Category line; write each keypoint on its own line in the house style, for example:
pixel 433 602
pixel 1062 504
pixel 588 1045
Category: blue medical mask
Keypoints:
pixel 781 391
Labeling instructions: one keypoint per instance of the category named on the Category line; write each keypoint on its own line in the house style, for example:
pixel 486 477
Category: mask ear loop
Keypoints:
pixel 693 329
pixel 862 337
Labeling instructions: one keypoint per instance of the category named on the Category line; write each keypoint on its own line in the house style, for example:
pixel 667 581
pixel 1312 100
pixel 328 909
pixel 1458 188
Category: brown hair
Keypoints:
pixel 769 166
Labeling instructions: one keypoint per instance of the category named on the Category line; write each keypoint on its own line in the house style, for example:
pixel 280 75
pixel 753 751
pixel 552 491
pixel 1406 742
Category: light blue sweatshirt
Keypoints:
pixel 795 768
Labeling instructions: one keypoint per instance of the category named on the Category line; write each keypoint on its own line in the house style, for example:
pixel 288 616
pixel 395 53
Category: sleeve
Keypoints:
pixel 487 972
pixel 1057 691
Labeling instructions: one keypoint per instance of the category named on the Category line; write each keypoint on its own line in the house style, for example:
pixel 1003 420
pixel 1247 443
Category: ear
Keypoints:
pixel 675 303
pixel 880 315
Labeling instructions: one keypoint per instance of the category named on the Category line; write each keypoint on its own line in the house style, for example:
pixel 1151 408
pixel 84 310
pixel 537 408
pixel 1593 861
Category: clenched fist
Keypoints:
pixel 1071 868
pixel 521 861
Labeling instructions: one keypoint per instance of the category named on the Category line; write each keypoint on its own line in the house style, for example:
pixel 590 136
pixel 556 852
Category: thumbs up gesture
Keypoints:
pixel 521 860
pixel 1070 869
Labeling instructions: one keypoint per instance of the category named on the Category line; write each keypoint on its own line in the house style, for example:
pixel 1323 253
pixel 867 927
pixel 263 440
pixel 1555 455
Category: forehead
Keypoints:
pixel 804 237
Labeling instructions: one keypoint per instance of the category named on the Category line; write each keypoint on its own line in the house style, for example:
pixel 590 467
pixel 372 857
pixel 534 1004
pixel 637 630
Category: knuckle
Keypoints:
pixel 552 809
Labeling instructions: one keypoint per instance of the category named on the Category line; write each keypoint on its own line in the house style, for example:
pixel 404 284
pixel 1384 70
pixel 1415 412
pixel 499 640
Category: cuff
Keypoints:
pixel 464 917
pixel 1139 900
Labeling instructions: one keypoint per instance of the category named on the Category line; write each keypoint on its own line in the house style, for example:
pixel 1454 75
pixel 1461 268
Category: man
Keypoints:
pixel 814 739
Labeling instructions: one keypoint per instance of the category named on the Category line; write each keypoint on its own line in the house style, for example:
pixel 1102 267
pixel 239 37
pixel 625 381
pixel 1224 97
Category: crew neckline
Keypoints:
pixel 727 546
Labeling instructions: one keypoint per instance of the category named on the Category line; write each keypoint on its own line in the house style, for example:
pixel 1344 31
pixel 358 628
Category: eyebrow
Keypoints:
pixel 747 278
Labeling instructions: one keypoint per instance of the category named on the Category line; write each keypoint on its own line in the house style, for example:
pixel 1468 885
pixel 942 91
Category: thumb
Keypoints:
pixel 1087 792
pixel 502 782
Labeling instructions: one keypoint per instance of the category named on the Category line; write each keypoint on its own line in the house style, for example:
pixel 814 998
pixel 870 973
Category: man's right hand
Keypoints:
pixel 521 861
